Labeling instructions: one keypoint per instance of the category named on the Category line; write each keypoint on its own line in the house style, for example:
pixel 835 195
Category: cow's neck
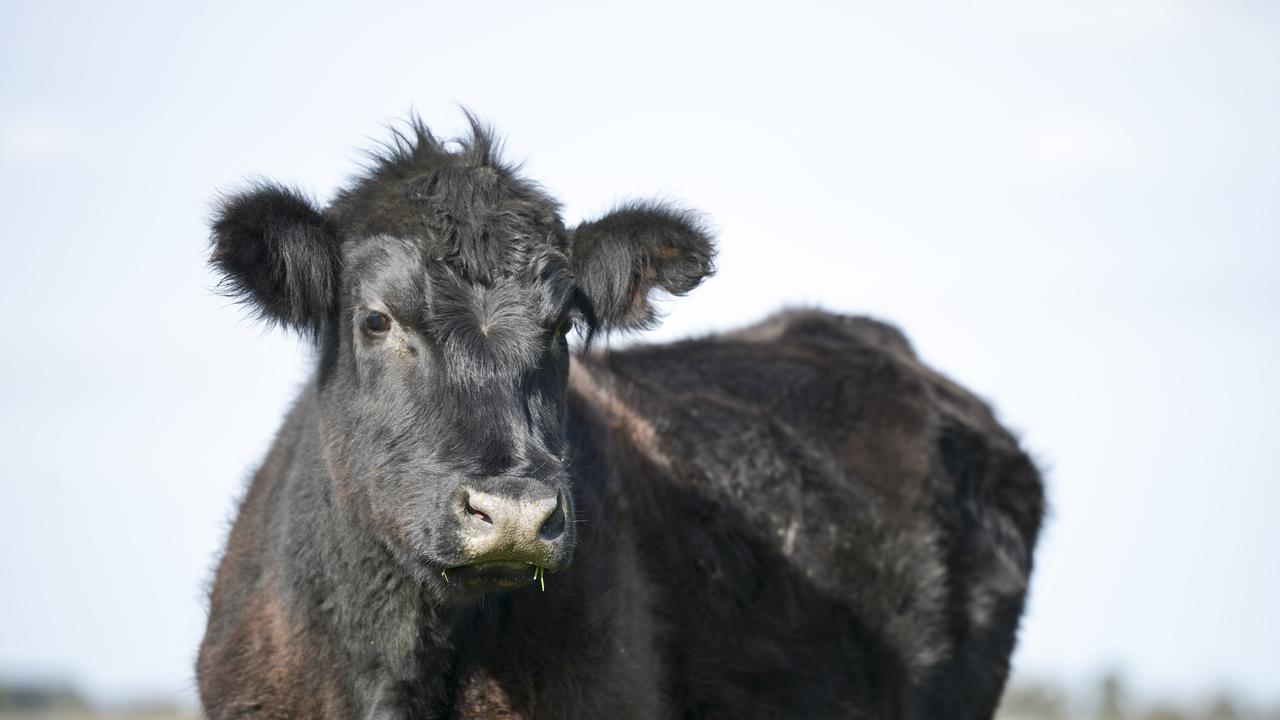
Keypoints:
pixel 395 645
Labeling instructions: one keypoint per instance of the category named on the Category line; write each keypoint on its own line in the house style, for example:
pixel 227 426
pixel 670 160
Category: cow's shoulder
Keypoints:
pixel 818 328
pixel 809 370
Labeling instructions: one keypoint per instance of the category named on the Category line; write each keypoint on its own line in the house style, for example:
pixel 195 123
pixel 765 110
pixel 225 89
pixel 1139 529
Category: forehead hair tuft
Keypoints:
pixel 466 207
pixel 413 147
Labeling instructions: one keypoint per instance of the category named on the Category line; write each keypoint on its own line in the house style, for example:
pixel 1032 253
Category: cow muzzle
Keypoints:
pixel 511 541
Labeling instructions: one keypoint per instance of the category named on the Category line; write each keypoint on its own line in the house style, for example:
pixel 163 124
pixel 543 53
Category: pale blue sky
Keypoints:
pixel 1070 207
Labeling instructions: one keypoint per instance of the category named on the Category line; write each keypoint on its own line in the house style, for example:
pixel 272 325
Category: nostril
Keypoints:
pixel 472 511
pixel 553 526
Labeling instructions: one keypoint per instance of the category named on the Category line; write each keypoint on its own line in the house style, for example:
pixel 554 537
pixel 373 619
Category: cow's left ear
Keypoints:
pixel 621 257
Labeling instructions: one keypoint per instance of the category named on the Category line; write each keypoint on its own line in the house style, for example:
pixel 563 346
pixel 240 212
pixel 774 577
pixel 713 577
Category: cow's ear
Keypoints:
pixel 276 252
pixel 620 258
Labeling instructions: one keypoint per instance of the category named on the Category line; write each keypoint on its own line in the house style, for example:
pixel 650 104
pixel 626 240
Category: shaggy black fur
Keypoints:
pixel 798 519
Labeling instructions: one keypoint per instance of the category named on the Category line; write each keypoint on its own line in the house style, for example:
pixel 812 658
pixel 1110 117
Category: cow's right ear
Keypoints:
pixel 277 252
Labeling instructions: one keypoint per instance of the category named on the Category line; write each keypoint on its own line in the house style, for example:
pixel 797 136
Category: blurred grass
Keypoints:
pixel 84 714
pixel 1026 699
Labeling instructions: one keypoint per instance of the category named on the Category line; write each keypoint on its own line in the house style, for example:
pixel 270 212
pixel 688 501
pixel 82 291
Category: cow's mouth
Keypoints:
pixel 496 575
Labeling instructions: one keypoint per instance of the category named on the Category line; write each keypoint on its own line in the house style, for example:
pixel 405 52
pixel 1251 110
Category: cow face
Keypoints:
pixel 441 290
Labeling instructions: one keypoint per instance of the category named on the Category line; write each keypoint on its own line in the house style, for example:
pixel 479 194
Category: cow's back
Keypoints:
pixel 831 525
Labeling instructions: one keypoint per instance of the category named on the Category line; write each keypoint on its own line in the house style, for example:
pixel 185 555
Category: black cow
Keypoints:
pixel 461 518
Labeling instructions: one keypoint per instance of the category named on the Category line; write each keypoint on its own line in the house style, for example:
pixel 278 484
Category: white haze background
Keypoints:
pixel 1070 207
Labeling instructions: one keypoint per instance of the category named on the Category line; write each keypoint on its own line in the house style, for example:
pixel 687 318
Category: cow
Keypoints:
pixel 463 517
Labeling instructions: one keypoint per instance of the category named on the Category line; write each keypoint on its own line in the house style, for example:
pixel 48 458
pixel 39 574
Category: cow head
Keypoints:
pixel 440 289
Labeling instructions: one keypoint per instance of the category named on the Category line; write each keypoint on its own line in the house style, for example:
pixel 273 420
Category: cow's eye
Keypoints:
pixel 563 327
pixel 377 323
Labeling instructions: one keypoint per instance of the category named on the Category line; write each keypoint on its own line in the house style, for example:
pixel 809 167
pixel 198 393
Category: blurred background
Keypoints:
pixel 1069 206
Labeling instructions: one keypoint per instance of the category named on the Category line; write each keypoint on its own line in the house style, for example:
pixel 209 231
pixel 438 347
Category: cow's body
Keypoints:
pixel 798 519
pixel 795 520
